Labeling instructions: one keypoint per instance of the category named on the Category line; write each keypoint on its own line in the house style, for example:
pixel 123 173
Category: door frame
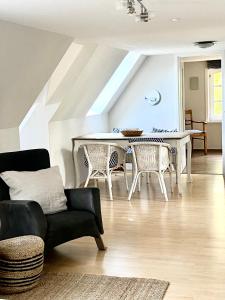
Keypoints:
pixel 181 104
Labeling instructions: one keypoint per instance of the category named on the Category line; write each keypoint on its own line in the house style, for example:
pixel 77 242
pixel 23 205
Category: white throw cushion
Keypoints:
pixel 43 186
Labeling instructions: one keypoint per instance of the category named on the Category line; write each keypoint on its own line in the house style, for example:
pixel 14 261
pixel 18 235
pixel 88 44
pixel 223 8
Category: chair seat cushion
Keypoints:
pixel 194 131
pixel 198 133
pixel 68 225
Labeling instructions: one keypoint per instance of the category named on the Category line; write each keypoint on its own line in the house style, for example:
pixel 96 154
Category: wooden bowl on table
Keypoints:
pixel 132 132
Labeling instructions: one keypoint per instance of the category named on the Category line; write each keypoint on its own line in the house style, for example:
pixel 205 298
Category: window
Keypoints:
pixel 114 83
pixel 215 95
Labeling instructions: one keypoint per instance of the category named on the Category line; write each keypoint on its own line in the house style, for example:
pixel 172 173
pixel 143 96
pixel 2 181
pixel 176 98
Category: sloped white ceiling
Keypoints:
pixel 97 70
pixel 68 71
pixel 27 59
pixel 57 83
pixel 116 84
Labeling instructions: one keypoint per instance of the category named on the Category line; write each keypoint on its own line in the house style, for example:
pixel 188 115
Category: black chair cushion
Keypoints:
pixel 67 225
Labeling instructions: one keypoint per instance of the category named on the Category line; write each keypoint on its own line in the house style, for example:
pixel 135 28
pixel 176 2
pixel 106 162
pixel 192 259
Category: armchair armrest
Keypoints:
pixel 86 199
pixel 21 218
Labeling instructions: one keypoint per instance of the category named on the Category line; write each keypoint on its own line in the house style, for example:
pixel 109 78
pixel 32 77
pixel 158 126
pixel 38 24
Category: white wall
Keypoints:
pixel 197 101
pixel 9 139
pixel 28 57
pixel 34 131
pixel 131 110
pixel 61 133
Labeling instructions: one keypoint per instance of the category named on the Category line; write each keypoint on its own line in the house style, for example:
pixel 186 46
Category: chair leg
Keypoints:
pixel 136 181
pixel 163 186
pixel 110 186
pixel 171 179
pixel 176 176
pixel 160 183
pixel 205 145
pixel 133 185
pixel 87 180
pixel 131 188
pixel 139 183
pixel 100 244
pixel 148 177
pixel 125 175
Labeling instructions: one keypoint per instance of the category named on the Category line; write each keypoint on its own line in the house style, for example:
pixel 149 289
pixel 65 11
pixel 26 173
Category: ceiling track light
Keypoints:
pixel 130 6
pixel 144 14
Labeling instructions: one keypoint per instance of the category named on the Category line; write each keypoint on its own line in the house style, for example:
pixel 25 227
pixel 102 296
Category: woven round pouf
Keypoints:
pixel 21 263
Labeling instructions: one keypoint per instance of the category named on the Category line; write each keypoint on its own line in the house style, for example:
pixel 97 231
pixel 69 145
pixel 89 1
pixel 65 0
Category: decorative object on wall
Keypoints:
pixel 194 83
pixel 130 6
pixel 154 97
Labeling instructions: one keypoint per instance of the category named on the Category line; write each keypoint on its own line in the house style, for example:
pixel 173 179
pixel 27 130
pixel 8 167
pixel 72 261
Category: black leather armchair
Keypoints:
pixel 83 217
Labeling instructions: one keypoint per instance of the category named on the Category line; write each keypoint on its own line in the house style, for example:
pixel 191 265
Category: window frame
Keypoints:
pixel 211 117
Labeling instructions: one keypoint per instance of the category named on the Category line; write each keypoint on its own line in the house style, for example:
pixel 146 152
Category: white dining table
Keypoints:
pixel 179 140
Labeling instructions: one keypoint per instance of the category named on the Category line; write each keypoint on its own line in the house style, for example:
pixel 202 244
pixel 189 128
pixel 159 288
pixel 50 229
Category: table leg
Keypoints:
pixel 179 166
pixel 189 152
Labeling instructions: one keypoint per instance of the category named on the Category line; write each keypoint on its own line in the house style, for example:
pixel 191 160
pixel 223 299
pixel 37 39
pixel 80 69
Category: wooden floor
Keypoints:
pixel 182 241
pixel 207 164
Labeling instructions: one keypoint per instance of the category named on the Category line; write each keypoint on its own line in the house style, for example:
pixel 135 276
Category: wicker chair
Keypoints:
pixel 102 159
pixel 150 157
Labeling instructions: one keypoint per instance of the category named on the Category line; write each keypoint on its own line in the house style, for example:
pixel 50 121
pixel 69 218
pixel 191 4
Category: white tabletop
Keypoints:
pixel 119 136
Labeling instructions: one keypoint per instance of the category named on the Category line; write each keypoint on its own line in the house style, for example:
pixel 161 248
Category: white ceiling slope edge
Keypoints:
pixel 98 21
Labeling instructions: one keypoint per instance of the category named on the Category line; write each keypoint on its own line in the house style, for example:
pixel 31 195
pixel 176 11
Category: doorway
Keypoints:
pixel 202 94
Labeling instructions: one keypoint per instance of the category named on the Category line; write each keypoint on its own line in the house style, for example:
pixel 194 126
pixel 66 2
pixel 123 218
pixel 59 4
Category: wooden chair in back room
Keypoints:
pixel 201 134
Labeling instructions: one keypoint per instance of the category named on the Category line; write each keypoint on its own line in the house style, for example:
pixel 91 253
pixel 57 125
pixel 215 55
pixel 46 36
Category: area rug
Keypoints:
pixel 70 286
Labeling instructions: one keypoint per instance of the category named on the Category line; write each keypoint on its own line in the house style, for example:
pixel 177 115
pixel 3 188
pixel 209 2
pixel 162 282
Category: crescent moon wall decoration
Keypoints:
pixel 154 98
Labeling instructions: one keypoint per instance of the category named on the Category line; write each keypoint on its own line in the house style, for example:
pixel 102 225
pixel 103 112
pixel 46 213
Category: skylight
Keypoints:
pixel 114 83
